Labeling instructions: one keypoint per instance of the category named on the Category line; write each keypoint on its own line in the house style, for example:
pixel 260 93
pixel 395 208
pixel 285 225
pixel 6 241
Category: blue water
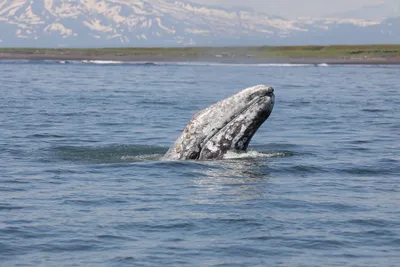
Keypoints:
pixel 82 182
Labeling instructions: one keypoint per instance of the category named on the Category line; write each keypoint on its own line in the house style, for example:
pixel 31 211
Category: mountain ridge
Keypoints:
pixel 157 23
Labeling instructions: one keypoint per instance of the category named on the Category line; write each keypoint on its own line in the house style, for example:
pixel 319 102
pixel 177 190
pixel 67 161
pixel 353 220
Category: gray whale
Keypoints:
pixel 226 125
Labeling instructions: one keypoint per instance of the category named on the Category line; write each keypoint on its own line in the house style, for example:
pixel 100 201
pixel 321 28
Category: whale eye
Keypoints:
pixel 193 155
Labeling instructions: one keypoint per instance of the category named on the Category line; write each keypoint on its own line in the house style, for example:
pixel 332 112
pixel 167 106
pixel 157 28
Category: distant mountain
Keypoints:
pixel 372 12
pixel 102 23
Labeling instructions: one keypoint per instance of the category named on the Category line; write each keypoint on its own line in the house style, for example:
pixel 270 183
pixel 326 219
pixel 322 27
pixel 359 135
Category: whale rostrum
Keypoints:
pixel 226 125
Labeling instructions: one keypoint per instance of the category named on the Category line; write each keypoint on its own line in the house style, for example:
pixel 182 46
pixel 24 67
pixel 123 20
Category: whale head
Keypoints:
pixel 226 125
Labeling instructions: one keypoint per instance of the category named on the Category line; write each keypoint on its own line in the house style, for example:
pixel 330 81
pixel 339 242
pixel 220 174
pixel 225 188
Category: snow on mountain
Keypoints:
pixel 100 23
pixel 382 10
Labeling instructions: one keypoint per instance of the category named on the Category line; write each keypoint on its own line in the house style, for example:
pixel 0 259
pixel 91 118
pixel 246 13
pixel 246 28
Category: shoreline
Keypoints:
pixel 200 59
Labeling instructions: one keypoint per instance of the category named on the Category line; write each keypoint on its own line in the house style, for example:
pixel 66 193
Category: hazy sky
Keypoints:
pixel 295 8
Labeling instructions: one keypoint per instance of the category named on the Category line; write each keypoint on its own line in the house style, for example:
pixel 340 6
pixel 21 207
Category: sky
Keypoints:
pixel 298 8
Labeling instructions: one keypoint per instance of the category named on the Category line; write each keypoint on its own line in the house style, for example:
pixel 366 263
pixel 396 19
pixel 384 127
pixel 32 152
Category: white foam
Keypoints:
pixel 147 157
pixel 323 65
pixel 252 154
pixel 102 62
pixel 241 64
pixel 282 65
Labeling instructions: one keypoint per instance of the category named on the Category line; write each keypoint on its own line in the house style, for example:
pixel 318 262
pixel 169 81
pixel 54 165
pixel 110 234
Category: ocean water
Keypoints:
pixel 82 181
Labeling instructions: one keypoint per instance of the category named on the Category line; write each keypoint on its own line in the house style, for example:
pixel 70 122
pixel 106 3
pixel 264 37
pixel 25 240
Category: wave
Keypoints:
pixel 255 154
pixel 219 64
pixel 283 65
pixel 108 154
pixel 102 62
pixel 112 62
pixel 147 157
pixel 107 62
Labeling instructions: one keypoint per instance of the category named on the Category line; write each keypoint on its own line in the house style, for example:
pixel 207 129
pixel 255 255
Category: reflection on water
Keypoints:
pixel 237 180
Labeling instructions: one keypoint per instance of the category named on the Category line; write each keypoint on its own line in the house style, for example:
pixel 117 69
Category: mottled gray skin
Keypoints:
pixel 227 125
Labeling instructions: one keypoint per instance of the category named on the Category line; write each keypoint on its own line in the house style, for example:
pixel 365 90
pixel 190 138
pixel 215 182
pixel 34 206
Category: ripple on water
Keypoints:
pixel 152 226
pixel 96 202
pixel 128 260
pixel 116 238
pixel 370 170
pixel 371 222
pixel 373 110
pixel 9 207
pixel 108 154
pixel 73 245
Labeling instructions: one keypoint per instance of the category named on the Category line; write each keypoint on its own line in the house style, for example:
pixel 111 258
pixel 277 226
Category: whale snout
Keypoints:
pixel 268 95
pixel 257 93
pixel 269 91
pixel 266 91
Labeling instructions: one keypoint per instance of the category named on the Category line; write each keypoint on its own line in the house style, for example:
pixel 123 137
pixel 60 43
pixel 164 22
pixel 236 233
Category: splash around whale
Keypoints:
pixel 227 125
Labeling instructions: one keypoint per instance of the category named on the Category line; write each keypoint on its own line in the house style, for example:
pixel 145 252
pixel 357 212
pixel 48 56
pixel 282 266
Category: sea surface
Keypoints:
pixel 83 182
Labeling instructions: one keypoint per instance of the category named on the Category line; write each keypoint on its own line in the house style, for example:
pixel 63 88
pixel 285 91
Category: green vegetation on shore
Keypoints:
pixel 391 51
